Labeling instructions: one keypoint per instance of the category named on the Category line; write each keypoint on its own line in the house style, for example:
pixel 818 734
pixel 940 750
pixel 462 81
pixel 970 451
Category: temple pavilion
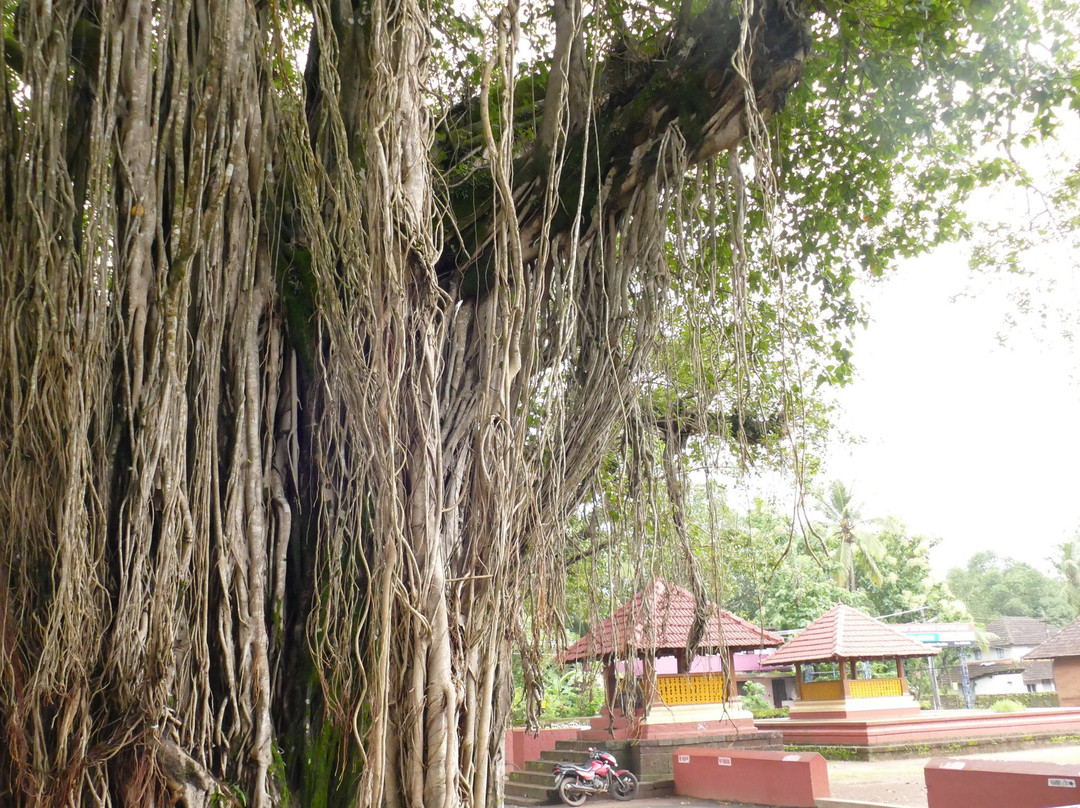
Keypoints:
pixel 835 671
pixel 653 625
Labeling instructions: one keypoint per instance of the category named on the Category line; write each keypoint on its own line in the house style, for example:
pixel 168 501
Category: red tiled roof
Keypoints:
pixel 1065 643
pixel 659 619
pixel 846 633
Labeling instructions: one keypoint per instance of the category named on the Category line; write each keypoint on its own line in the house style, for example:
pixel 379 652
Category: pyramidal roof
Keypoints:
pixel 659 619
pixel 1065 643
pixel 846 633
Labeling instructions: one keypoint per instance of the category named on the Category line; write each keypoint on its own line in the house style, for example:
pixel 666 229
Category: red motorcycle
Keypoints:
pixel 600 776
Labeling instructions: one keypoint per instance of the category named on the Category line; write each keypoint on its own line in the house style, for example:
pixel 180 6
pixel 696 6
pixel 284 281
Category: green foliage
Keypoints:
pixel 783 579
pixel 571 692
pixel 1007 706
pixel 889 148
pixel 773 712
pixel 1067 564
pixel 905 582
pixel 754 698
pixel 856 545
pixel 993 587
pixel 955 701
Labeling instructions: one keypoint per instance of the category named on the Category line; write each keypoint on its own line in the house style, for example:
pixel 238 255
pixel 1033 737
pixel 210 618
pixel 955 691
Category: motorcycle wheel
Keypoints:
pixel 569 793
pixel 624 787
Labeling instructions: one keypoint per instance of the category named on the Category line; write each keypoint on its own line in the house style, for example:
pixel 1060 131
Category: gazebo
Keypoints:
pixel 845 637
pixel 657 623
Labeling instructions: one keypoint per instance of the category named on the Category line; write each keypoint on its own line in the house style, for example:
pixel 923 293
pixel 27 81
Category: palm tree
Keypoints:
pixel 859 546
pixel 1068 564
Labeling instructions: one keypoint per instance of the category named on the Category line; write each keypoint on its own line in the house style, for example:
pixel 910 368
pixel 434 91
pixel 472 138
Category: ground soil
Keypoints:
pixel 900 782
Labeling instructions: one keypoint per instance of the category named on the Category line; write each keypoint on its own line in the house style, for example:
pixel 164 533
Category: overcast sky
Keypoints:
pixel 969 425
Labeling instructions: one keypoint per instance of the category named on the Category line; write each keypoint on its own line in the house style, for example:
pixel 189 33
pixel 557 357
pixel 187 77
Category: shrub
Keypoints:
pixel 772 712
pixel 754 698
pixel 1007 706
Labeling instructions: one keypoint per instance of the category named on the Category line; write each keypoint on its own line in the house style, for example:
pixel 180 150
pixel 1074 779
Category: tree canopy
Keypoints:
pixel 993 587
pixel 319 320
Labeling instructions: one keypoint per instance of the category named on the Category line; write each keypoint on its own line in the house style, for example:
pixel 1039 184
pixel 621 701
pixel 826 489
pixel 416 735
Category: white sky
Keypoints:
pixel 964 437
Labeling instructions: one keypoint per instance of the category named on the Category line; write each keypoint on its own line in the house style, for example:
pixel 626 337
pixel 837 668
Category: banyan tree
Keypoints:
pixel 318 320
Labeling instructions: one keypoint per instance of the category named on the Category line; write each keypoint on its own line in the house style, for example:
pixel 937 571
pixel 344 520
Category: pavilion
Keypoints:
pixel 654 624
pixel 847 642
pixel 875 716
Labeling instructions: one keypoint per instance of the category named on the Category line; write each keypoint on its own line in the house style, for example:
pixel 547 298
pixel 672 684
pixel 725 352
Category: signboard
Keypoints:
pixel 684 758
pixel 1061 782
pixel 938 633
pixel 723 761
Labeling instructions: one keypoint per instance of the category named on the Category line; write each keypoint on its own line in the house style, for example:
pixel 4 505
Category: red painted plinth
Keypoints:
pixel 737 775
pixel 928 727
pixel 966 783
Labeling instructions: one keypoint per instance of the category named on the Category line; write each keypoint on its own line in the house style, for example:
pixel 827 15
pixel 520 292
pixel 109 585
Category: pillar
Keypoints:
pixel 680 661
pixel 731 687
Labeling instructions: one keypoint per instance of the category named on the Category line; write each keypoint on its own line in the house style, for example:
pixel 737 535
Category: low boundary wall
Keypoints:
pixel 968 783
pixel 787 779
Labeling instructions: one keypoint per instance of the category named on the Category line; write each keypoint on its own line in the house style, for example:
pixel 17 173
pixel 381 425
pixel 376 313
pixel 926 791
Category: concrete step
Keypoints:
pixel 530 798
pixel 544 765
pixel 530 789
pixel 533 777
pixel 581 748
pixel 523 802
pixel 525 795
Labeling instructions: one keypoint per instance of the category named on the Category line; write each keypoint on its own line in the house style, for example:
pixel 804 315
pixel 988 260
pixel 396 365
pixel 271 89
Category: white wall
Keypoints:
pixel 1002 683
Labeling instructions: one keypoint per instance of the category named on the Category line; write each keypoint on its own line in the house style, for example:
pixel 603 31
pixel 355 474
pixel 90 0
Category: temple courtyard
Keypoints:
pixel 871 784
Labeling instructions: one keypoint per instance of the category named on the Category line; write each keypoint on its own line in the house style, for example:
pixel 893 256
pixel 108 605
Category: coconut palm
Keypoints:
pixel 859 545
pixel 1068 564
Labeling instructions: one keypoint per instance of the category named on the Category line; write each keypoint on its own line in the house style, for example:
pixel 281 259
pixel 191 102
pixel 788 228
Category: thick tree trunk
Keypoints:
pixel 275 481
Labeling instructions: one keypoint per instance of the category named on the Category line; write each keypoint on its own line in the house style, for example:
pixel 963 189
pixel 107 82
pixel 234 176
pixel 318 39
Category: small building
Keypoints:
pixel 1001 669
pixel 835 671
pixel 1064 650
pixel 654 628
pixel 778 680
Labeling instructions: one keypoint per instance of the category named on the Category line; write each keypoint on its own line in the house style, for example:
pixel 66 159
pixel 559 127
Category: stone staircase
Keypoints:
pixel 535 784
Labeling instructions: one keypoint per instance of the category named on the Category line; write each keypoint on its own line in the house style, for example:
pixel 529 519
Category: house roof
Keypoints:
pixel 846 633
pixel 994 667
pixel 1038 671
pixel 1020 631
pixel 1065 643
pixel 658 620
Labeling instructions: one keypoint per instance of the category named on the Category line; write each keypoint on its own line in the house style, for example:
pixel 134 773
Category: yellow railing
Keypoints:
pixel 822 691
pixel 691 688
pixel 865 688
pixel 857 689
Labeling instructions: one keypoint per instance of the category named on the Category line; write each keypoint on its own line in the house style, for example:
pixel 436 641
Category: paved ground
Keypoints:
pixel 900 782
pixel 886 782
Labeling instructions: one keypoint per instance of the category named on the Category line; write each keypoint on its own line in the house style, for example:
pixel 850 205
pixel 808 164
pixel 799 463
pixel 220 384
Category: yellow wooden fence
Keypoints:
pixel 691 688
pixel 822 691
pixel 857 688
pixel 865 688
